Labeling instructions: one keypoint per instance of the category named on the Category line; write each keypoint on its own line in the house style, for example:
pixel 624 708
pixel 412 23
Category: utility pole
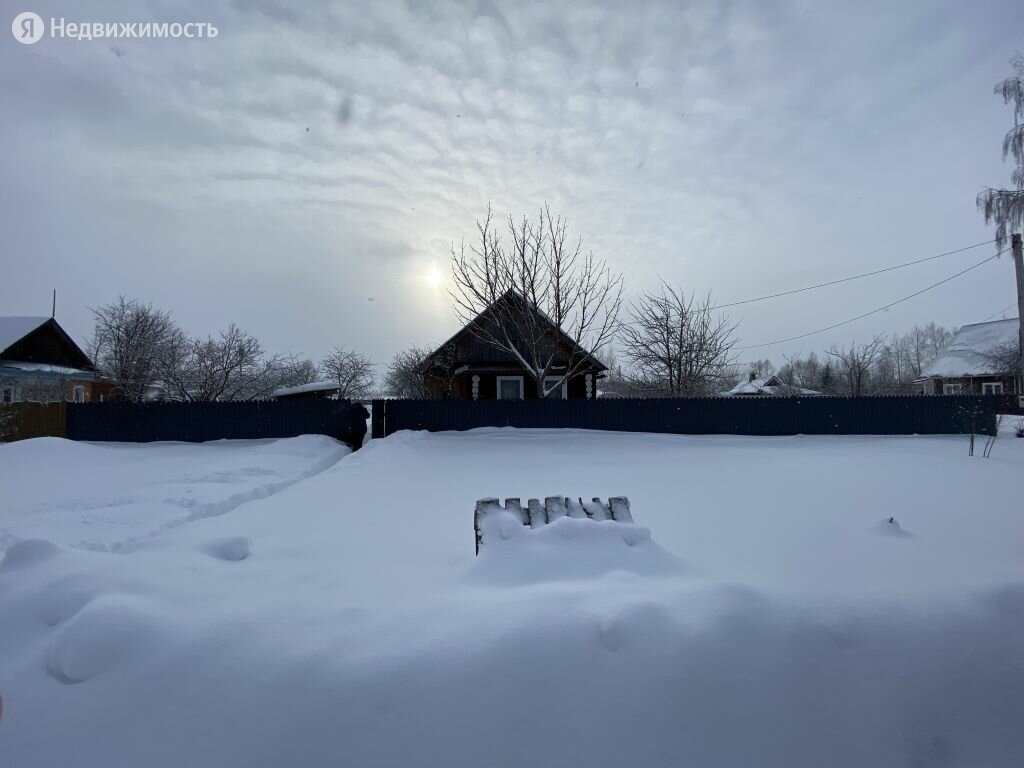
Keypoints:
pixel 1018 263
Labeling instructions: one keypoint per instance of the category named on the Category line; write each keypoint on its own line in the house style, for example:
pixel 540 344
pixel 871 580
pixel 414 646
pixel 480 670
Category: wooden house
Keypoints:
pixel 468 367
pixel 40 362
pixel 982 359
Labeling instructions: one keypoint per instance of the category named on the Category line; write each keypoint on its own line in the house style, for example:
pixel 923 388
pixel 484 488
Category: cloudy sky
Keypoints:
pixel 304 174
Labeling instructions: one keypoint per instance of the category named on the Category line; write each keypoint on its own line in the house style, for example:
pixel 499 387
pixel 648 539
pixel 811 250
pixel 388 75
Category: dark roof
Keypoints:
pixel 14 329
pixel 20 332
pixel 510 294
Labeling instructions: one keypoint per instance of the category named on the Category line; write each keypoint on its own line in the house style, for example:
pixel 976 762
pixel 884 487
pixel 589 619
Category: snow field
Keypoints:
pixel 108 496
pixel 763 611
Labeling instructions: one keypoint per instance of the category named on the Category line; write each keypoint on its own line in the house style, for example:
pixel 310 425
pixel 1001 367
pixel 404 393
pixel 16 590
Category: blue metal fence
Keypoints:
pixel 884 415
pixel 198 422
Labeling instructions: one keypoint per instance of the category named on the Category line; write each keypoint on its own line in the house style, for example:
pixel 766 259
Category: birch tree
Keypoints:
pixel 1005 207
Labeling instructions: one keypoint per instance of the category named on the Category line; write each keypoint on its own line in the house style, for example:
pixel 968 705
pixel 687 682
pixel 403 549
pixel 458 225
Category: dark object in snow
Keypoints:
pixel 358 415
pixel 536 515
pixel 890 527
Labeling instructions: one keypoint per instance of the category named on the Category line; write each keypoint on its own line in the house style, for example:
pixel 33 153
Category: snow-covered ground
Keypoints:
pixel 775 618
pixel 107 496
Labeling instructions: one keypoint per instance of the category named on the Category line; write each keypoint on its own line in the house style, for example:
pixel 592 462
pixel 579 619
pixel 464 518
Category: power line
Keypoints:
pixel 852 277
pixel 879 309
pixel 1004 309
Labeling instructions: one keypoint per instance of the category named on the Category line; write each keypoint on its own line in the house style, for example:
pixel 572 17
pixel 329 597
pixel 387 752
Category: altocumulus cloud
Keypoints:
pixel 314 156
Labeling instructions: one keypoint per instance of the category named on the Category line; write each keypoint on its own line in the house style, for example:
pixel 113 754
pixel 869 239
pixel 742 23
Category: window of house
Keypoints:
pixel 560 392
pixel 992 388
pixel 79 393
pixel 510 387
pixel 952 389
pixel 7 395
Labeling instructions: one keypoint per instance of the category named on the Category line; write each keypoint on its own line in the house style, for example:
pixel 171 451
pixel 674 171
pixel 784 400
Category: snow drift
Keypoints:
pixel 343 620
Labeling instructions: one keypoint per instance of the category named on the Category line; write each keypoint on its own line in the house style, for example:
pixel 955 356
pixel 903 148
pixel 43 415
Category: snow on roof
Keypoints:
pixel 14 329
pixel 767 385
pixel 753 386
pixel 316 386
pixel 971 351
pixel 46 368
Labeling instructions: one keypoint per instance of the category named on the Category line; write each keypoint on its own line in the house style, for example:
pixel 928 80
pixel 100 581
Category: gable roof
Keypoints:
pixel 971 351
pixel 755 386
pixel 14 329
pixel 508 295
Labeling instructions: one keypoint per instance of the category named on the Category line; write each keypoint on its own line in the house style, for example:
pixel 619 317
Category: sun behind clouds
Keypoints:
pixel 433 276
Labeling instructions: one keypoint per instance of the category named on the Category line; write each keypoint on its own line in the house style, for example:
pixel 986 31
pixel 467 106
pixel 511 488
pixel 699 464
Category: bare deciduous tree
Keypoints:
pixel 439 366
pixel 1005 207
pixel 405 374
pixel 899 363
pixel 511 294
pixel 129 340
pixel 1005 358
pixel 617 381
pixel 923 344
pixel 675 345
pixel 761 368
pixel 802 373
pixel 232 366
pixel 351 371
pixel 856 363
pixel 301 371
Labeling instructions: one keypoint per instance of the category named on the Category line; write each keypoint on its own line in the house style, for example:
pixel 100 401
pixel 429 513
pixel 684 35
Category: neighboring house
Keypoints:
pixel 317 390
pixel 767 386
pixel 982 358
pixel 39 362
pixel 467 368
